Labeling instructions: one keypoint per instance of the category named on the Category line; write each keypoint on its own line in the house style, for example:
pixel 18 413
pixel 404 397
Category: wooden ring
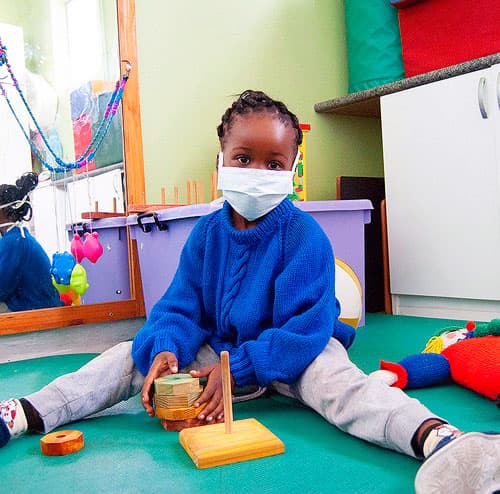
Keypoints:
pixel 61 443
pixel 179 413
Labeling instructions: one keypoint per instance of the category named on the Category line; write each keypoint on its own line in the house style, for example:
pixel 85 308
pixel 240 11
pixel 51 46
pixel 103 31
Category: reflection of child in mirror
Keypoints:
pixel 25 281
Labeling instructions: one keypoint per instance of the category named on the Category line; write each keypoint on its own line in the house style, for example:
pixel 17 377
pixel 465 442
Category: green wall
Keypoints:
pixel 195 56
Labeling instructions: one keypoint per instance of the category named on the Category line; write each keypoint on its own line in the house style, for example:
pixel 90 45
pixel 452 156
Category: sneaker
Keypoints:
pixel 465 464
pixel 12 420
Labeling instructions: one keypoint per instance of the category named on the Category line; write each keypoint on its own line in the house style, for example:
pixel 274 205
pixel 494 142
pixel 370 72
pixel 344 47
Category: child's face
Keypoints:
pixel 451 337
pixel 3 216
pixel 259 140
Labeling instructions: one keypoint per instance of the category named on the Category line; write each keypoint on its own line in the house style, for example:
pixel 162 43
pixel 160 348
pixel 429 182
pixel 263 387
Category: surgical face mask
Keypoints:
pixel 15 204
pixel 11 225
pixel 254 192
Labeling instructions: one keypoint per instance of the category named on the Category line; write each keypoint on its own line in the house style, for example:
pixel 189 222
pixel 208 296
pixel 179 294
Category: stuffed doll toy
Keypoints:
pixel 470 356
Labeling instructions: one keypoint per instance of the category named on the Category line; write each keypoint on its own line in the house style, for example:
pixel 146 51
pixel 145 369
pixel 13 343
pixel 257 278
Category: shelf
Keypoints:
pixel 369 107
pixel 367 103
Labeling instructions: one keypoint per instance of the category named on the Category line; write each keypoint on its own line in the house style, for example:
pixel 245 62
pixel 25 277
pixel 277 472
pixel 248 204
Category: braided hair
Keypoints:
pixel 17 194
pixel 257 101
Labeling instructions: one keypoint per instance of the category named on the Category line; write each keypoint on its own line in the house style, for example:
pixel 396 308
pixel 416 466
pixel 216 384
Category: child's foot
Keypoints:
pixel 462 463
pixel 12 420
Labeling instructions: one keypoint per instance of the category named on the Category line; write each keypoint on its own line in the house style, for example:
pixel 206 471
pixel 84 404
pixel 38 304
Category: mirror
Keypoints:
pixel 130 167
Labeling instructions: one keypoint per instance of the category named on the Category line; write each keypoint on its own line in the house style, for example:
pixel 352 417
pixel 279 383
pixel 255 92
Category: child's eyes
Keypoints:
pixel 243 160
pixel 274 165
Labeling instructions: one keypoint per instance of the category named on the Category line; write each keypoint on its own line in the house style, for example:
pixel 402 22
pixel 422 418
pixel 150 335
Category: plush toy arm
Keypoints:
pixel 425 369
pixel 415 371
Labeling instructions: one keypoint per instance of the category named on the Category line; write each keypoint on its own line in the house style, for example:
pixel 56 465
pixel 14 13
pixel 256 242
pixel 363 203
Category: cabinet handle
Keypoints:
pixel 481 89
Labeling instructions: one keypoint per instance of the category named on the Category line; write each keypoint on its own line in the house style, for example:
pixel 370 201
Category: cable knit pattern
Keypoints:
pixel 237 273
pixel 266 295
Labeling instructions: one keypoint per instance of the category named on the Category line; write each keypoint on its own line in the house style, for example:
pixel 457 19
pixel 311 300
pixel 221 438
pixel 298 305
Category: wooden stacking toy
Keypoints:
pixel 230 442
pixel 61 443
pixel 175 395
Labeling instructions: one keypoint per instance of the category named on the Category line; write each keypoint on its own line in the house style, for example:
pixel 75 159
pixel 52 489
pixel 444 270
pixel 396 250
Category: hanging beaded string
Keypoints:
pixel 88 155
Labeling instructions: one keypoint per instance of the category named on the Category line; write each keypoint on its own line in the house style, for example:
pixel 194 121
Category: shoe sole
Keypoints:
pixel 470 464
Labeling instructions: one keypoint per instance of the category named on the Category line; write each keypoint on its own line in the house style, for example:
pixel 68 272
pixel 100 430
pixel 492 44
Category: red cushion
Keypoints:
pixel 440 33
pixel 475 364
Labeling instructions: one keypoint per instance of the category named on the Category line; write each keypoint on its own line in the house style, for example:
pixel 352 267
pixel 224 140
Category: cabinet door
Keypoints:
pixel 442 187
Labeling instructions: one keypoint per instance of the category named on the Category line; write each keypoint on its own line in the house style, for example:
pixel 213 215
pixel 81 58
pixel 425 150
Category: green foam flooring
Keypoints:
pixel 129 452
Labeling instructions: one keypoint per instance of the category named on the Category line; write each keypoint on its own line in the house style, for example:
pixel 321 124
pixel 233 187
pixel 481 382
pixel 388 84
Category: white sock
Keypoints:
pixel 12 413
pixel 437 435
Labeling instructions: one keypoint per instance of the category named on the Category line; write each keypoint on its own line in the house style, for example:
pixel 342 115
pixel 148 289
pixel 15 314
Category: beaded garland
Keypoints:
pixel 88 155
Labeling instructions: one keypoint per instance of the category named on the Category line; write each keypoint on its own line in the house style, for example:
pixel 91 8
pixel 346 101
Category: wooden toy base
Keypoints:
pixel 210 446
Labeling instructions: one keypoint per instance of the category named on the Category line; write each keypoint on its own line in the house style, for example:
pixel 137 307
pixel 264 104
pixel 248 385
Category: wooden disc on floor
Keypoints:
pixel 61 443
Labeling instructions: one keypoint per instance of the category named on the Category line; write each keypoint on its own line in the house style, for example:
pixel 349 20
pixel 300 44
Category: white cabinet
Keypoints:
pixel 442 170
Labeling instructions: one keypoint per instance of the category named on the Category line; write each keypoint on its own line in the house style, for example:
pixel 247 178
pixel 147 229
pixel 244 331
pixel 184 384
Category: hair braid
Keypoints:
pixel 11 193
pixel 257 101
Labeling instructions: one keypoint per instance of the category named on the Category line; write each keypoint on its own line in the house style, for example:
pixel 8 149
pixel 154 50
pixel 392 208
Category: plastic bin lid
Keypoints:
pixel 114 222
pixel 335 205
pixel 181 212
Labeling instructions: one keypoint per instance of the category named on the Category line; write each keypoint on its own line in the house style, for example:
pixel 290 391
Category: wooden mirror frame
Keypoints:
pixel 40 319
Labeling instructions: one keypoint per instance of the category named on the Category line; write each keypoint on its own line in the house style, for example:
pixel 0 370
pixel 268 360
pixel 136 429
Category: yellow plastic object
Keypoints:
pixel 349 293
pixel 61 288
pixel 78 279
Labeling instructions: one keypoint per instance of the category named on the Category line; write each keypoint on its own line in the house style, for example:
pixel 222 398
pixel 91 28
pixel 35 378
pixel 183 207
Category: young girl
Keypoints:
pixel 25 280
pixel 241 286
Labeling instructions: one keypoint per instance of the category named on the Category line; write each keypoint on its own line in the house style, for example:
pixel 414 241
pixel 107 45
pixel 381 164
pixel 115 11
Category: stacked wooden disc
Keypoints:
pixel 175 395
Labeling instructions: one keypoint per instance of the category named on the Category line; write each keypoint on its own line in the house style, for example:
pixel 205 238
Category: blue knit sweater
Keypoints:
pixel 25 280
pixel 266 295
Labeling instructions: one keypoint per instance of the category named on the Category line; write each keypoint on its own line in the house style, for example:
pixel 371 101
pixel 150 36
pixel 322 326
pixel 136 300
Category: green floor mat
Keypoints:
pixel 128 452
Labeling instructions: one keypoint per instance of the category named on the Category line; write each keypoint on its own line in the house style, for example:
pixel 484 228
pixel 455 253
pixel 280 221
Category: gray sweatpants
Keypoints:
pixel 332 386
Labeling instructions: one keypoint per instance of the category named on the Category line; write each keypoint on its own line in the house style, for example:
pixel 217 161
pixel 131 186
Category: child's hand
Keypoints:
pixel 164 363
pixel 212 394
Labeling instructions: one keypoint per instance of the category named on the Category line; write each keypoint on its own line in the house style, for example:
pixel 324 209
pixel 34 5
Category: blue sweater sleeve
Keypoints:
pixel 175 322
pixel 303 315
pixel 10 258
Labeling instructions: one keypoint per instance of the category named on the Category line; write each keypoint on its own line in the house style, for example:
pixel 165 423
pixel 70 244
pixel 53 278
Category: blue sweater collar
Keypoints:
pixel 266 224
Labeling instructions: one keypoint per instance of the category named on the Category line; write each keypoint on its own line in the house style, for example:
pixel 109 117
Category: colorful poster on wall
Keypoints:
pixel 299 179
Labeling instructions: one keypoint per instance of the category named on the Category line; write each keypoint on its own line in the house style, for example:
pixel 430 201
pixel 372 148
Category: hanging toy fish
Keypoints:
pixel 62 266
pixel 92 247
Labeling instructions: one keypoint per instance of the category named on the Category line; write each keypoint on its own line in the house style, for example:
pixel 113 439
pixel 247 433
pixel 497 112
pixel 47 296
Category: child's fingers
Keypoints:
pixel 214 407
pixel 146 395
pixel 163 363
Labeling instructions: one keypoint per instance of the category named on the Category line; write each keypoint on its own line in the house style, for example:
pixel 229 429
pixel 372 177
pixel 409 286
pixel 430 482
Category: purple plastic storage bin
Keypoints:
pixel 109 277
pixel 159 247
